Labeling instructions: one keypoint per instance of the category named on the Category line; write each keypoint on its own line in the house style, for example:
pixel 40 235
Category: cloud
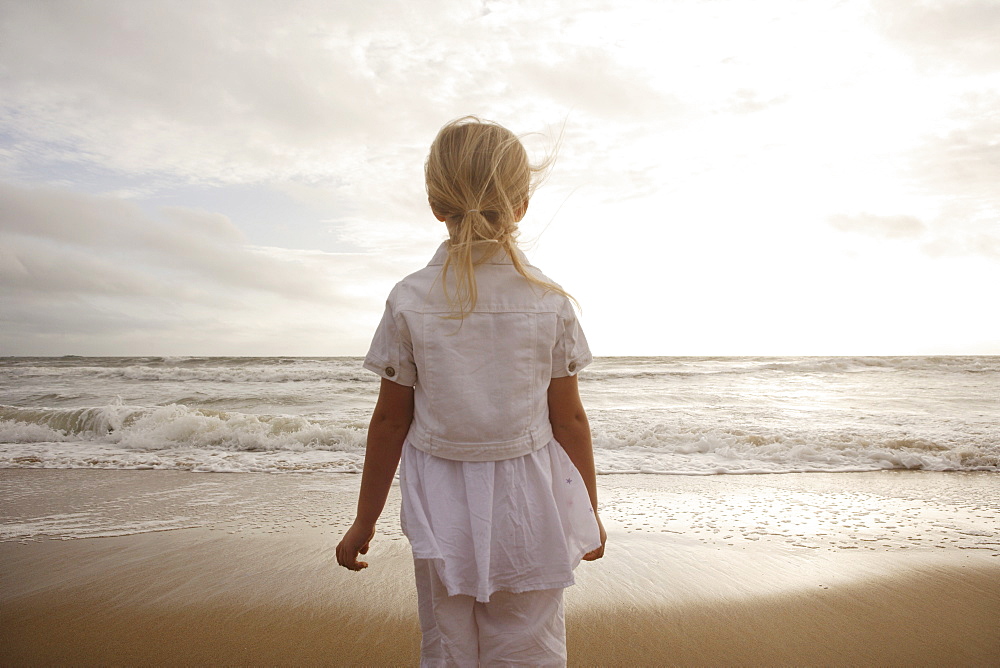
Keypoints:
pixel 104 270
pixel 187 153
pixel 963 160
pixel 590 80
pixel 959 245
pixel 964 229
pixel 245 92
pixel 232 91
pixel 311 97
pixel 99 236
pixel 748 101
pixel 33 266
pixel 956 231
pixel 885 227
pixel 957 171
pixel 958 34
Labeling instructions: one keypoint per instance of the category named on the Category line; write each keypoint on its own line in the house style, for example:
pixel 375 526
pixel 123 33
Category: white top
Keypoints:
pixel 480 383
pixel 512 525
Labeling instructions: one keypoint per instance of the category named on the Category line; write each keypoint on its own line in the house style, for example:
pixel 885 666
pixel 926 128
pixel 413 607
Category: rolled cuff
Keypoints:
pixel 401 374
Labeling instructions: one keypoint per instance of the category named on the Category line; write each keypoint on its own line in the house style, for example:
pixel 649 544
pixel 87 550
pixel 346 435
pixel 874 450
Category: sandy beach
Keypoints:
pixel 171 567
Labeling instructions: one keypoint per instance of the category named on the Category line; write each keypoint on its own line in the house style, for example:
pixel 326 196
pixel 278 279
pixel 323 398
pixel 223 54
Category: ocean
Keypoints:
pixel 649 415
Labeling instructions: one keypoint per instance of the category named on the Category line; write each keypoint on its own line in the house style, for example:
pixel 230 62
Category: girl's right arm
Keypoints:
pixel 386 434
pixel 571 429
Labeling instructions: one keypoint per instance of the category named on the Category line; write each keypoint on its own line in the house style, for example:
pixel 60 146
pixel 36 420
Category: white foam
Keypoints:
pixel 177 437
pixel 694 416
pixel 177 371
pixel 78 455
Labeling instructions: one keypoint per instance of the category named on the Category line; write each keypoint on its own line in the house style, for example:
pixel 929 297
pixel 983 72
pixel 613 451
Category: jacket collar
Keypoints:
pixel 500 257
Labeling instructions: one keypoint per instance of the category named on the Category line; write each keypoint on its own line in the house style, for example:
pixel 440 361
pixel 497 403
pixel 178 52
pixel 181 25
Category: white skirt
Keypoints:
pixel 511 525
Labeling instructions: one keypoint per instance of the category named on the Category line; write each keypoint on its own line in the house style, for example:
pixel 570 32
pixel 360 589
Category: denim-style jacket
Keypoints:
pixel 480 383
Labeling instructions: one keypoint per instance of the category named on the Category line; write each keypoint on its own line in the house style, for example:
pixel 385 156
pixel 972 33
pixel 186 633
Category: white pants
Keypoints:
pixel 525 629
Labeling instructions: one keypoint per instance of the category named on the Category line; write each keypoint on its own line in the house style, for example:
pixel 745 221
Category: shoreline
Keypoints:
pixel 698 572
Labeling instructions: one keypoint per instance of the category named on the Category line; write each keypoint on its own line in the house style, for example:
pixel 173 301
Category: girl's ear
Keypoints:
pixel 520 211
pixel 437 215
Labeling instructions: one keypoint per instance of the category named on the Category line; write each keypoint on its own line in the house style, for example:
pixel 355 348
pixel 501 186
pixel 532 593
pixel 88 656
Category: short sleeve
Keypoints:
pixel 391 353
pixel 570 352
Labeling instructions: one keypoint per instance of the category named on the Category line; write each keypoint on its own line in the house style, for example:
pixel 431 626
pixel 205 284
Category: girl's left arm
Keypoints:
pixel 386 433
pixel 571 429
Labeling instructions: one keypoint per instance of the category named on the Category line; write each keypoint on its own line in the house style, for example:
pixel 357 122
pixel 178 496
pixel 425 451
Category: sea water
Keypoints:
pixel 654 415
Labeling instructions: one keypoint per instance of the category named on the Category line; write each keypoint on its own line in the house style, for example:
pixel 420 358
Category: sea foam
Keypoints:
pixel 692 416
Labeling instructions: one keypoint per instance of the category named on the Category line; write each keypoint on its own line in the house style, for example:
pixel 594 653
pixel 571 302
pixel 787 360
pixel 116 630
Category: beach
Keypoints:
pixel 174 567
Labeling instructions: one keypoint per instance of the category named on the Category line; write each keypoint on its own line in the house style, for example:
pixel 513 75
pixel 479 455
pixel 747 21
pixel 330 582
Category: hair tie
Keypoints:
pixel 472 211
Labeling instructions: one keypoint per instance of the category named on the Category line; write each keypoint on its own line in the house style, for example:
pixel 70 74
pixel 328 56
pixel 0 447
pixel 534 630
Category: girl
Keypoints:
pixel 478 354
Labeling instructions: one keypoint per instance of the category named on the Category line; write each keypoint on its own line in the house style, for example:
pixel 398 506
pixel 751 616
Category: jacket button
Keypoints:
pixel 389 371
pixel 572 367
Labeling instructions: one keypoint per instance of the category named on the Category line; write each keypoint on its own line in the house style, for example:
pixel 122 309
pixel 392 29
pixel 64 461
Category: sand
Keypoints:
pixel 171 568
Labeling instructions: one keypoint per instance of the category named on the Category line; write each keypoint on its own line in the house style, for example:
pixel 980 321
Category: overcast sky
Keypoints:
pixel 734 178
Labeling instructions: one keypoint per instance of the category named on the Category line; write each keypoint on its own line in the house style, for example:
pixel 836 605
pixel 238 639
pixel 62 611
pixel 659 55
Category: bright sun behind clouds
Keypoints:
pixel 733 178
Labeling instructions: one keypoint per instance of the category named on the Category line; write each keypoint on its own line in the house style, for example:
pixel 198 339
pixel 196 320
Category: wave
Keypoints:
pixel 178 436
pixel 217 374
pixel 161 427
pixel 348 371
pixel 713 451
pixel 959 364
pixel 660 367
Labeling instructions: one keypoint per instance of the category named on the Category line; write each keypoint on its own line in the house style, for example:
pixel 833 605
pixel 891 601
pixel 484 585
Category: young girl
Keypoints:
pixel 478 354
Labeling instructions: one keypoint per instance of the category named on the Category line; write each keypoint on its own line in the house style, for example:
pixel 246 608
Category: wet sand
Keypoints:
pixel 832 569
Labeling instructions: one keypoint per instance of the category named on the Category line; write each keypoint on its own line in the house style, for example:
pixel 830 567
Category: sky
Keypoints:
pixel 243 177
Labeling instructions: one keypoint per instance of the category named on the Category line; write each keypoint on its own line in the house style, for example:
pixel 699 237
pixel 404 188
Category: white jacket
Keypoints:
pixel 480 383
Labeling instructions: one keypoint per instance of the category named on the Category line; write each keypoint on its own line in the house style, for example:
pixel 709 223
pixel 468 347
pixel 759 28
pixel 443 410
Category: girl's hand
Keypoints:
pixel 594 555
pixel 354 542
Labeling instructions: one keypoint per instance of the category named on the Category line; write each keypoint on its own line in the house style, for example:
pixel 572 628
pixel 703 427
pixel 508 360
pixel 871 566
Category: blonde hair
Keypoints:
pixel 479 180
